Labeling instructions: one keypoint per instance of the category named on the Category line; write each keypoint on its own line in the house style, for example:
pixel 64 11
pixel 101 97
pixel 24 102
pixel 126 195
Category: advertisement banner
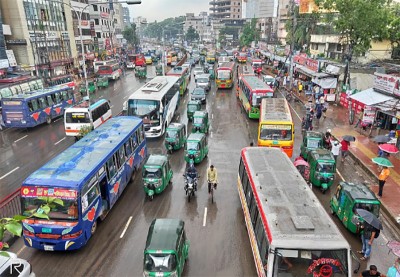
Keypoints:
pixel 369 114
pixel 11 58
pixel 387 83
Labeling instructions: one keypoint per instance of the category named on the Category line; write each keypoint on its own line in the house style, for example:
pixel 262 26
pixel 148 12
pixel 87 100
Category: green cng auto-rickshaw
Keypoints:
pixel 322 168
pixel 175 136
pixel 311 141
pixel 141 71
pixel 167 248
pixel 91 87
pixel 200 122
pixel 196 146
pixel 348 198
pixel 157 174
pixel 159 70
pixel 102 82
pixel 192 107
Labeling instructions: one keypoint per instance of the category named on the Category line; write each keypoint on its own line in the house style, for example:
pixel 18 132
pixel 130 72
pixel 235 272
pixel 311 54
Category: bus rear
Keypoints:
pixel 242 57
pixel 276 127
pixel 140 60
pixel 131 63
pixel 224 76
pixel 111 71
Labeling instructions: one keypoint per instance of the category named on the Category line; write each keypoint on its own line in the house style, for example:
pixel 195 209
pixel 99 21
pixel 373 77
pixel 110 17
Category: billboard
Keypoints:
pixel 307 6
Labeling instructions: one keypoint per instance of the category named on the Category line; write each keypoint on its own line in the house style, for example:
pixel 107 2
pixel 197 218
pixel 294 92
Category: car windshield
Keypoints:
pixel 149 110
pixel 172 134
pixel 160 262
pixel 202 80
pixel 224 74
pixel 77 117
pixel 191 145
pixel 370 207
pixel 198 120
pixel 198 92
pixel 308 263
pixel 192 107
pixel 326 167
pixel 314 143
pixel 67 211
pixel 242 54
pixel 152 172
pixel 276 132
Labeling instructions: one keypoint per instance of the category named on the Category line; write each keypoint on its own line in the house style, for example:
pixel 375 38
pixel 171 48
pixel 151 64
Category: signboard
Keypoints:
pixel 307 62
pixel 369 114
pixel 387 83
pixel 11 58
pixel 4 63
pixel 104 15
pixel 16 42
pixel 54 192
pixel 307 6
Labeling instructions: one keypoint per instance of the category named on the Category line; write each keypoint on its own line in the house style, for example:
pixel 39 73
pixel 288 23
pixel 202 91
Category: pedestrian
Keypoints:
pixel 318 110
pixel 1 121
pixel 385 172
pixel 300 87
pixel 367 238
pixel 285 81
pixel 394 270
pixel 335 149
pixel 373 271
pixel 360 118
pixel 345 149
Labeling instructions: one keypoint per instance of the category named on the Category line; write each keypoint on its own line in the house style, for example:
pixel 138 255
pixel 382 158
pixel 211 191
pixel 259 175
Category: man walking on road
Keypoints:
pixel 382 179
pixel 373 271
pixel 367 238
pixel 345 149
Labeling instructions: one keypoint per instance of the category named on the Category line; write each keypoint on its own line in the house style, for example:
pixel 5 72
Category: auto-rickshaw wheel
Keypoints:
pixel 151 197
pixel 94 227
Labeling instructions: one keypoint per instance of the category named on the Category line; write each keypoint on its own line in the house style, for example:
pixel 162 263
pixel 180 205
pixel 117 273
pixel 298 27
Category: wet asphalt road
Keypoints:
pixel 218 236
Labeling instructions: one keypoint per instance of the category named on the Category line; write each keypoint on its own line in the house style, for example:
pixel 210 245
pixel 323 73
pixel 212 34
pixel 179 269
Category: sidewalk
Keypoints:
pixel 362 151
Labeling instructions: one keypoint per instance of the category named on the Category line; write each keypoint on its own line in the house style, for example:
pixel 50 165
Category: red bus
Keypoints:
pixel 140 60
pixel 242 57
pixel 112 71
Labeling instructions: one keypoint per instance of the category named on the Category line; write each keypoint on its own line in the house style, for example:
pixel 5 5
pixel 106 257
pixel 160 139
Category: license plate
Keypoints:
pixel 46 230
pixel 275 142
pixel 48 248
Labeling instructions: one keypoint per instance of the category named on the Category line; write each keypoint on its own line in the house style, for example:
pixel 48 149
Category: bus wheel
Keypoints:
pixel 48 120
pixel 94 227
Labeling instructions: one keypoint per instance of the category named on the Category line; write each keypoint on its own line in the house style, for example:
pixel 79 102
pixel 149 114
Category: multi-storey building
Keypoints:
pixel 261 8
pixel 44 34
pixel 81 8
pixel 201 23
pixel 226 9
pixel 3 56
pixel 126 16
pixel 283 17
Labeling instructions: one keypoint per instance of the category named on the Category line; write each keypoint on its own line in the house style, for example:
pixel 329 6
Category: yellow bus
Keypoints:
pixel 276 128
pixel 224 76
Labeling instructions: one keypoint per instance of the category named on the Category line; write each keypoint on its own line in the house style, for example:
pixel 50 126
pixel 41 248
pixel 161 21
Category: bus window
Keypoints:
pixel 58 98
pixel 111 169
pixel 42 102
pixel 33 105
pixel 64 95
pixel 70 94
pixel 50 100
pixel 134 142
pixel 128 148
pixel 89 197
pixel 122 157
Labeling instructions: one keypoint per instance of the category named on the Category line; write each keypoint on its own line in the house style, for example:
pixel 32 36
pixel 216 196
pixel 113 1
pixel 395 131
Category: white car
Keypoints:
pixel 268 79
pixel 197 71
pixel 11 265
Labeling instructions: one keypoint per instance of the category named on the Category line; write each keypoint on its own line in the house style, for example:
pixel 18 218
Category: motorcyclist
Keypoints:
pixel 191 172
pixel 212 177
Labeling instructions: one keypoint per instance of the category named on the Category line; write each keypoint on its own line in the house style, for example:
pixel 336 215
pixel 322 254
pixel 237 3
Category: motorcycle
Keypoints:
pixel 190 186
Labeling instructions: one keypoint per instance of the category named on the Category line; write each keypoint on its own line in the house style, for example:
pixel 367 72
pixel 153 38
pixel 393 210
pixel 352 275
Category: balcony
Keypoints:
pixel 219 2
pixel 325 39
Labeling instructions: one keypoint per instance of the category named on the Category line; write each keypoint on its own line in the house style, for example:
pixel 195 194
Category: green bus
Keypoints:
pixel 183 73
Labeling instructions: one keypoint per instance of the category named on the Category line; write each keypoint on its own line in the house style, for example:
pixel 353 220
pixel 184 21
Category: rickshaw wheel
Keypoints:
pixel 48 120
pixel 151 197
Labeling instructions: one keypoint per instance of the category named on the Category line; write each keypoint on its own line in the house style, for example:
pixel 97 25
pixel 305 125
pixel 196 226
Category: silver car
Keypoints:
pixel 203 81
pixel 198 70
pixel 11 265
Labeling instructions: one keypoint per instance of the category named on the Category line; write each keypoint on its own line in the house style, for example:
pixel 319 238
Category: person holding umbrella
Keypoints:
pixel 370 230
pixel 385 172
pixel 345 145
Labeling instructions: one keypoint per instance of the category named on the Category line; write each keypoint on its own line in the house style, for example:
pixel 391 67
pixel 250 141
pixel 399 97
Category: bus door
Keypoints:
pixel 103 192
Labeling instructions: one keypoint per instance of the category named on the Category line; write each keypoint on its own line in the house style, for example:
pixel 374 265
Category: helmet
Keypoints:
pixel 329 131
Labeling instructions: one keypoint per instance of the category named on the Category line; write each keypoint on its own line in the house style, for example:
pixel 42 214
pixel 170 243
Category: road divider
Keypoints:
pixel 20 138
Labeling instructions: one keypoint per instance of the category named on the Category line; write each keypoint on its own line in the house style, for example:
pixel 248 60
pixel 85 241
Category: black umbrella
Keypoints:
pixel 381 139
pixel 349 138
pixel 370 218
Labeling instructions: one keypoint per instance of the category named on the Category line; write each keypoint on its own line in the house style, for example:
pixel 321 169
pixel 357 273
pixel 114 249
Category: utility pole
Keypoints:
pixel 294 23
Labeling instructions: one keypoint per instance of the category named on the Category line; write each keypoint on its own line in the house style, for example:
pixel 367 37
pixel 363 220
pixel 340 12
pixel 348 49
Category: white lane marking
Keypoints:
pixel 126 227
pixel 22 249
pixel 58 119
pixel 60 141
pixel 211 134
pixel 340 175
pixel 205 217
pixel 126 96
pixel 20 138
pixel 5 175
pixel 212 116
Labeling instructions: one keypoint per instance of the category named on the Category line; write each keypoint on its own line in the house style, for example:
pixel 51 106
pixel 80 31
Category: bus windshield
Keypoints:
pixel 77 117
pixel 311 262
pixel 67 211
pixel 224 74
pixel 276 132
pixel 147 109
pixel 160 262
pixel 192 146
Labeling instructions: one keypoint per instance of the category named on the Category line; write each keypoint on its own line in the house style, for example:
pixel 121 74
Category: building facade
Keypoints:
pixel 261 8
pixel 3 55
pixel 201 24
pixel 42 35
pixel 81 9
pixel 126 16
pixel 226 9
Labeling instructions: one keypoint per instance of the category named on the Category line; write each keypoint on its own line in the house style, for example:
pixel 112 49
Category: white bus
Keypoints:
pixel 82 115
pixel 155 102
pixel 100 63
pixel 290 232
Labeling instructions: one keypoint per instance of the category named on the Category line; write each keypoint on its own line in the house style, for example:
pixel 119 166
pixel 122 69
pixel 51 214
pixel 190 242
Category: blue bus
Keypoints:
pixel 36 107
pixel 88 178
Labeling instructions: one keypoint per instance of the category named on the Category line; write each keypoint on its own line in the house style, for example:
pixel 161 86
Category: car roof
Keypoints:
pixel 156 160
pixel 164 234
pixel 358 191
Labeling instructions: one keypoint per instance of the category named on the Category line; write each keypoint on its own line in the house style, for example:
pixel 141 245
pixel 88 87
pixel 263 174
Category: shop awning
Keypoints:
pixel 390 106
pixel 325 83
pixel 370 97
pixel 310 72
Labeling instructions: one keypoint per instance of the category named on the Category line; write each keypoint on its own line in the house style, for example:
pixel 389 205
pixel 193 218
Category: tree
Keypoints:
pixel 171 26
pixel 305 26
pixel 130 35
pixel 250 33
pixel 394 28
pixel 191 34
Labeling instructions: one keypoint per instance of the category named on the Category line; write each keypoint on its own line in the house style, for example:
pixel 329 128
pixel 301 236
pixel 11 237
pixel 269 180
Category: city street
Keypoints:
pixel 219 244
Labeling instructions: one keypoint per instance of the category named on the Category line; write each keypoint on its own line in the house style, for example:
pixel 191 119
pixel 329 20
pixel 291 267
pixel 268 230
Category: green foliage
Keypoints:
pixel 227 31
pixel 359 21
pixel 14 225
pixel 250 33
pixel 130 35
pixel 84 130
pixel 394 25
pixel 171 26
pixel 191 34
pixel 305 26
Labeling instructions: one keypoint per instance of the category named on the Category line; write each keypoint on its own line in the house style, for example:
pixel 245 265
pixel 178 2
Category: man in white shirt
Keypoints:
pixel 336 149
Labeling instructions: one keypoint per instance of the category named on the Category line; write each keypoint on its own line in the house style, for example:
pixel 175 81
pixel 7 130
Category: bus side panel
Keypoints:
pixel 250 231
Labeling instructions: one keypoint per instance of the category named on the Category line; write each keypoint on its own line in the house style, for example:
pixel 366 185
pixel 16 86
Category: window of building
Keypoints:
pixel 96 21
pixel 98 34
pixel 238 10
pixel 95 8
pixel 338 47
